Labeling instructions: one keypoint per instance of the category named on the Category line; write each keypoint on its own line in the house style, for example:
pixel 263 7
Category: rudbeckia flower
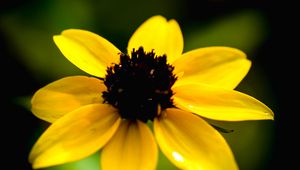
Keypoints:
pixel 152 81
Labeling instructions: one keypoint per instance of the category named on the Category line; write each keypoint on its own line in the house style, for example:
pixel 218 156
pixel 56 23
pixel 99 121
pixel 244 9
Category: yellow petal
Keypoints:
pixel 132 148
pixel 88 51
pixel 75 136
pixel 220 104
pixel 160 35
pixel 218 66
pixel 67 94
pixel 190 143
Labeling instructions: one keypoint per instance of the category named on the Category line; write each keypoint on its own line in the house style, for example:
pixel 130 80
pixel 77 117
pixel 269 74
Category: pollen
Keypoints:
pixel 140 85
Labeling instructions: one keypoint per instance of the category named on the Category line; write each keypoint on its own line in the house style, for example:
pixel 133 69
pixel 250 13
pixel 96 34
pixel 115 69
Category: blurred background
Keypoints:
pixel 30 60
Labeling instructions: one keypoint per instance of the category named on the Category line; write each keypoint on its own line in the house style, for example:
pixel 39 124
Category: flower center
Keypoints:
pixel 140 85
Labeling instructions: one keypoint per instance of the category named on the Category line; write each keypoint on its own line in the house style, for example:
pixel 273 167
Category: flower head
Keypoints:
pixel 153 81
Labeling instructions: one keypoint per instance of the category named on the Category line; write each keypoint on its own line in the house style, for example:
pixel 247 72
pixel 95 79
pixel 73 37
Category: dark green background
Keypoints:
pixel 30 60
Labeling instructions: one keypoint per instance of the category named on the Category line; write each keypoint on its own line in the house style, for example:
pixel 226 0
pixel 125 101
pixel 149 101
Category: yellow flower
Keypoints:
pixel 153 81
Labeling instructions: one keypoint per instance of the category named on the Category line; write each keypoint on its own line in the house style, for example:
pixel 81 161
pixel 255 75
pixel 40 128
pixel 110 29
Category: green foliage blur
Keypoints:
pixel 28 29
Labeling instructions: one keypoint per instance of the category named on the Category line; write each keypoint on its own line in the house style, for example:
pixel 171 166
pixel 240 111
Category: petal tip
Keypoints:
pixel 158 17
pixel 36 165
pixel 56 38
pixel 32 160
pixel 268 113
pixel 271 115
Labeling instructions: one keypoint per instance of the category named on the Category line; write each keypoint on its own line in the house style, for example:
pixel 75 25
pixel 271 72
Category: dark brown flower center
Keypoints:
pixel 140 85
